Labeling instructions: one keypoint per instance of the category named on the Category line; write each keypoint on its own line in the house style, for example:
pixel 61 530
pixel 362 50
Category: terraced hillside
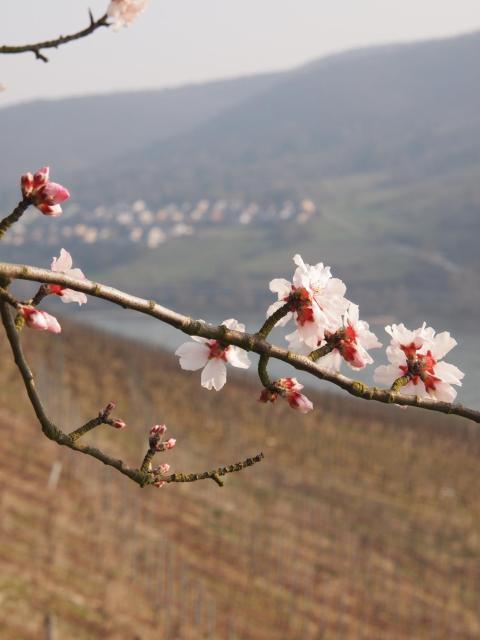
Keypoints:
pixel 361 522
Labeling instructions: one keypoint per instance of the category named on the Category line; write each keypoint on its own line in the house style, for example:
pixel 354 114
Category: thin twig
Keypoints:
pixel 7 296
pixel 36 47
pixel 249 342
pixel 15 216
pixel 216 474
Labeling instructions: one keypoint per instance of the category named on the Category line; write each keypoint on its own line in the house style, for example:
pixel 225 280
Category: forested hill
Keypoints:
pixel 410 112
pixel 367 160
pixel 74 133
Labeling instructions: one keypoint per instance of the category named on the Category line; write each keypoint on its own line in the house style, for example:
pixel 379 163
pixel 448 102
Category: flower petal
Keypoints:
pixel 238 358
pixel 70 295
pixel 193 356
pixel 280 286
pixel 63 262
pixel 214 375
pixel 331 362
pixel 386 374
pixel 232 324
pixel 448 373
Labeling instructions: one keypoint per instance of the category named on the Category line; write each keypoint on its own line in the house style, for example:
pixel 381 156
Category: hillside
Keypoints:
pixel 78 134
pixel 386 144
pixel 405 112
pixel 362 521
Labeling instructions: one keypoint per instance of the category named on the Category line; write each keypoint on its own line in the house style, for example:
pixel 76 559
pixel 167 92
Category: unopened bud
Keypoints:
pixel 169 444
pixel 164 469
pixel 158 430
pixel 159 484
pixel 26 183
pixel 105 413
pixel 118 424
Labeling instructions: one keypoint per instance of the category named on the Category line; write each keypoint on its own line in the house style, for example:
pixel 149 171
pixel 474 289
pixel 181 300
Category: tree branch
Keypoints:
pixel 248 342
pixel 36 48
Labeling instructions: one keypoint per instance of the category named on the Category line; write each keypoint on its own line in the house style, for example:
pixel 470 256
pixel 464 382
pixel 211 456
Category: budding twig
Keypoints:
pixel 141 476
pixel 36 48
pixel 102 418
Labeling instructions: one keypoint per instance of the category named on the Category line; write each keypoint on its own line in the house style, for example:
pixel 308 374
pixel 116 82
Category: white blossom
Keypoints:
pixel 212 356
pixel 63 264
pixel 418 355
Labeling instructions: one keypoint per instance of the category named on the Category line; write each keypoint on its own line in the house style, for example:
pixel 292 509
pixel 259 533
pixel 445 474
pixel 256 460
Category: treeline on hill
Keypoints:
pixel 362 521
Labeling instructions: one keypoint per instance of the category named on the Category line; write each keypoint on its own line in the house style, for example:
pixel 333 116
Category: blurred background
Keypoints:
pixel 204 146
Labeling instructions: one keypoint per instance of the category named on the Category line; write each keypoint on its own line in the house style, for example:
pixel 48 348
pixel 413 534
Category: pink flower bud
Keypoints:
pixel 40 320
pixel 26 183
pixel 52 193
pixel 48 197
pixel 45 195
pixel 299 402
pixel 118 424
pixel 40 178
pixel 164 469
pixel 169 444
pixel 159 484
pixel 110 407
pixel 158 430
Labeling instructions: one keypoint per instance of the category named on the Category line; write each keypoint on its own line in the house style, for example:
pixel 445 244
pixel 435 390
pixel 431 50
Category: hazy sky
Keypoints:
pixel 185 41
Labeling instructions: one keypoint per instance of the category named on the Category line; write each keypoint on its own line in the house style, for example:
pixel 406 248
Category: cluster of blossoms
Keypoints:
pixel 415 359
pixel 327 325
pixel 328 329
pixel 47 196
pixel 156 443
pixel 43 193
pixel 324 318
pixel 124 12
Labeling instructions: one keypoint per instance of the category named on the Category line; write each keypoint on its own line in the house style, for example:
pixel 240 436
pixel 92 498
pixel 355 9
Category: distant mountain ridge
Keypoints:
pixel 384 140
pixel 411 109
pixel 74 134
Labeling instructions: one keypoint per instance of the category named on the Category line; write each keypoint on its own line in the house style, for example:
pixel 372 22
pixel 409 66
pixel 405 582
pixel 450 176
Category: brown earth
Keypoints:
pixel 362 522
